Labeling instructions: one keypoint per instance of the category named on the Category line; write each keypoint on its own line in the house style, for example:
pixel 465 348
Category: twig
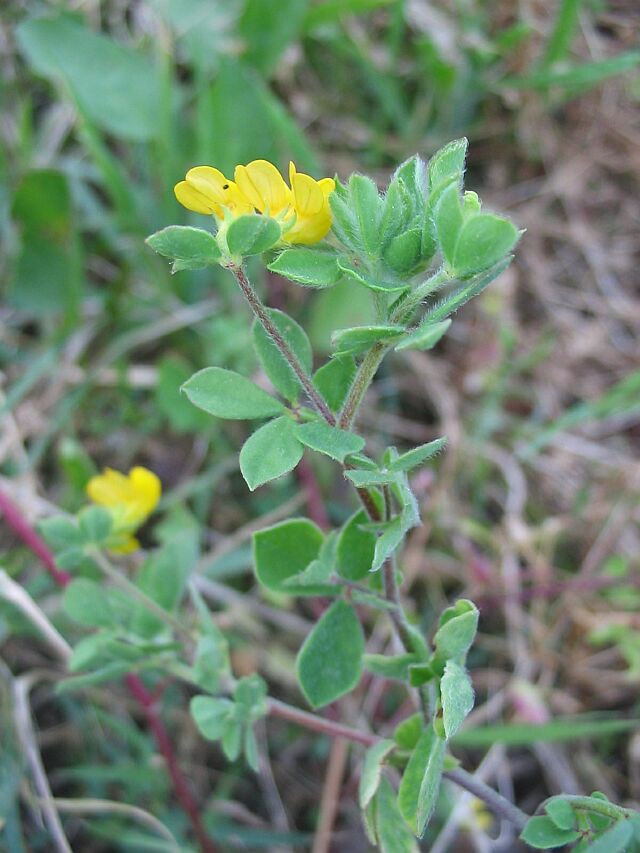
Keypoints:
pixel 18 596
pixel 97 806
pixel 330 795
pixel 498 804
pixel 319 724
pixel 365 374
pixel 261 313
pixel 27 736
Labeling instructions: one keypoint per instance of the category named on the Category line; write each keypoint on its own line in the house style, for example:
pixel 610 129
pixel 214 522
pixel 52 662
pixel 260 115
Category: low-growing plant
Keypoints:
pixel 422 250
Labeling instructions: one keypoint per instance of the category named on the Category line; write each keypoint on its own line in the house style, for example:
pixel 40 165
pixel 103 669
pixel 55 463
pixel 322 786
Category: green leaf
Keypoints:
pixel 264 44
pixel 417 456
pixel 47 276
pixel 483 240
pixel 273 450
pixel 212 716
pixel 334 379
pixel 542 834
pixel 563 729
pixel 393 534
pixel 285 550
pixel 232 740
pixel 60 532
pixel 449 222
pixel 360 338
pixel 252 234
pixel 332 441
pixel 189 248
pixel 421 781
pixel 87 603
pixel 355 549
pixel 88 651
pixel 371 770
pixel 309 267
pixel 407 733
pixel 404 251
pixel 614 840
pixel 467 291
pixel 118 88
pixel 211 662
pixel 352 271
pixel 456 695
pixel 394 836
pixel 275 364
pixel 457 631
pixel 561 813
pixel 95 523
pixel 227 394
pixel 364 478
pixel 425 337
pixel 329 664
pixel 250 694
pixel 447 163
pixel 397 209
pixel 393 667
pixel 109 672
pixel 367 207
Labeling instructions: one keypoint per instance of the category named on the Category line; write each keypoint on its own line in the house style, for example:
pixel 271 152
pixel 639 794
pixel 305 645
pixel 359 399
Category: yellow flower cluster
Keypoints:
pixel 302 208
pixel 130 500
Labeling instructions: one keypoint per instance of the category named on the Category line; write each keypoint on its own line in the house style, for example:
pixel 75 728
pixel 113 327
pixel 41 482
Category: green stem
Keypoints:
pixel 138 595
pixel 365 374
pixel 260 312
pixel 498 804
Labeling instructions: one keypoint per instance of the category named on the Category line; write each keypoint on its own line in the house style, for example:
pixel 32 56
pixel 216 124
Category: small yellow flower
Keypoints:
pixel 130 500
pixel 302 209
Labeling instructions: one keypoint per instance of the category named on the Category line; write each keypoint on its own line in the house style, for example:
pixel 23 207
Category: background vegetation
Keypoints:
pixel 533 510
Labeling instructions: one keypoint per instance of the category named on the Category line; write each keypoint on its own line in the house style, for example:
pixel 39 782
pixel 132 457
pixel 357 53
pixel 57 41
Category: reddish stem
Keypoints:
pixel 16 520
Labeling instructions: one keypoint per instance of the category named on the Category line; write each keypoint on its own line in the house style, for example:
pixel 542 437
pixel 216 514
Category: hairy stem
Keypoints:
pixel 260 312
pixel 365 374
pixel 498 804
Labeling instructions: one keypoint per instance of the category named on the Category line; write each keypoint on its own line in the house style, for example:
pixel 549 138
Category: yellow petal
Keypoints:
pixel 308 230
pixel 124 544
pixel 193 199
pixel 146 488
pixel 308 197
pixel 108 489
pixel 208 181
pixel 263 185
pixel 327 185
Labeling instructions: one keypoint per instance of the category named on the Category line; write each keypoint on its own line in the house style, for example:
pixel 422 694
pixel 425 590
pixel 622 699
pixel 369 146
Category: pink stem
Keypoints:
pixel 16 520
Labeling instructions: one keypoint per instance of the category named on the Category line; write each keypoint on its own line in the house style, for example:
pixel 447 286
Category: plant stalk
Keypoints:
pixel 365 374
pixel 260 311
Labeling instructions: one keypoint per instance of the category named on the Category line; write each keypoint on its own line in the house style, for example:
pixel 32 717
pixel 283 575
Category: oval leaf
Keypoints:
pixel 421 781
pixel 329 663
pixel 309 267
pixel 356 546
pixel 227 394
pixel 456 694
pixel 332 441
pixel 252 234
pixel 270 452
pixel 274 363
pixel 483 240
pixel 283 551
pixel 425 337
pixel 190 248
pixel 542 834
pixel 371 770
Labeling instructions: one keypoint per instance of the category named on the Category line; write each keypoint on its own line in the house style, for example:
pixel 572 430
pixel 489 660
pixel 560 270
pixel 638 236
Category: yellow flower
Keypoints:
pixel 130 500
pixel 302 209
